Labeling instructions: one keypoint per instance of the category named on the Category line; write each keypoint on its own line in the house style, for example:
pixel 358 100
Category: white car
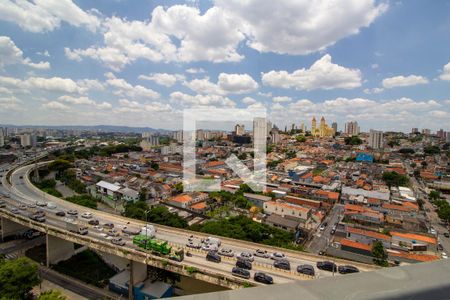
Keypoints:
pixel 41 203
pixel 51 205
pixel 277 256
pixel 322 227
pixel 86 215
pixel 98 228
pixel 444 255
pixel 261 253
pixel 210 247
pixel 246 256
pixel 226 252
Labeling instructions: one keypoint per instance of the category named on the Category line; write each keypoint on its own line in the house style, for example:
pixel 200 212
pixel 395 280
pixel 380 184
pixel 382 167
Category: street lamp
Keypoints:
pixel 146 228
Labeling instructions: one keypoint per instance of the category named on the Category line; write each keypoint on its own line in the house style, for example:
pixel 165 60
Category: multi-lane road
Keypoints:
pixel 21 191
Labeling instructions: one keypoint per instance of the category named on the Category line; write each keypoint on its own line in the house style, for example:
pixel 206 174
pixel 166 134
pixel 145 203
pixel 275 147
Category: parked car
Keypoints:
pixel 306 269
pixel 277 255
pixel 226 252
pixel 261 253
pixel 41 203
pixel 263 278
pixel 240 273
pixel 282 264
pixel 15 210
pixel 93 222
pixel 60 213
pixel 118 241
pixel 31 205
pixel 131 230
pixel 323 226
pixel 347 269
pixel 244 264
pixel 22 207
pixel 213 256
pixel 247 256
pixel 444 255
pixel 327 266
pixel 86 215
pixel 446 234
pixel 440 247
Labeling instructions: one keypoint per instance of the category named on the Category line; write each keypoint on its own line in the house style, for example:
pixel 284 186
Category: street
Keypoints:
pixel 321 239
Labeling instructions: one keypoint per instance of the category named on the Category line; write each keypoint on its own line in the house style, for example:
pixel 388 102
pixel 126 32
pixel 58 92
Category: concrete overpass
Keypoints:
pixel 60 242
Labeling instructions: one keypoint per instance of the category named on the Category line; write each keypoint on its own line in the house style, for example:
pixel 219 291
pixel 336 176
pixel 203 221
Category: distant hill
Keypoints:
pixel 102 128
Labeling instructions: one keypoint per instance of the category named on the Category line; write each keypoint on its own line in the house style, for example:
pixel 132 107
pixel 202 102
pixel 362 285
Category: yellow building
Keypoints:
pixel 323 130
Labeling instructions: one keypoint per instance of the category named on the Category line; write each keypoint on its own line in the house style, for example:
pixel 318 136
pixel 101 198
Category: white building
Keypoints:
pixel 259 131
pixel 149 141
pixel 352 128
pixel 375 139
pixel 178 136
pixel 287 209
pixel 27 140
pixel 239 129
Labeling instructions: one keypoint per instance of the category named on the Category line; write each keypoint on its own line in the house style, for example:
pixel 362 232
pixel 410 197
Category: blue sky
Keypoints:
pixel 385 64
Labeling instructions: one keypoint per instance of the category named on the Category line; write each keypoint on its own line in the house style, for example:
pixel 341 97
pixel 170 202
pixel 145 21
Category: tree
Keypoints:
pixel 379 254
pixel 300 138
pixel 395 179
pixel 154 166
pixel 434 195
pixel 143 194
pixel 51 295
pixel 353 140
pixel 431 150
pixel 17 278
pixel 406 151
pixel 242 156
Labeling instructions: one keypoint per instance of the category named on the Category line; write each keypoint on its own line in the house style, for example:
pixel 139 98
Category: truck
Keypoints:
pixel 75 227
pixel 148 230
pixel 158 247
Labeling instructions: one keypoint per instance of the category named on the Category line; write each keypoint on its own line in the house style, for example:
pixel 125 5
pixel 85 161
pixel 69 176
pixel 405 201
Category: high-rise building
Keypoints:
pixel 239 129
pixel 375 139
pixel 426 131
pixel 415 130
pixel 334 126
pixel 441 134
pixel 259 131
pixel 268 127
pixel 274 135
pixel 302 127
pixel 178 136
pixel 351 128
pixel 149 141
pixel 26 140
pixel 2 137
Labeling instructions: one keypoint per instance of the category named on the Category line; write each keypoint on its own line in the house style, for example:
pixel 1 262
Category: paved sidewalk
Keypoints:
pixel 47 285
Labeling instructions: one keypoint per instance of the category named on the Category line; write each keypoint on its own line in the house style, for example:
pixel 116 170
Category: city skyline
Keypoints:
pixel 133 65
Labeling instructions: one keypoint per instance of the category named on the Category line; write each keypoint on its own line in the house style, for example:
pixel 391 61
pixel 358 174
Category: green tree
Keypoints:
pixel 17 278
pixel 301 138
pixel 353 140
pixel 431 150
pixel 242 156
pixel 154 166
pixel 379 254
pixel 51 295
pixel 60 165
pixel 143 194
pixel 395 179
pixel 434 195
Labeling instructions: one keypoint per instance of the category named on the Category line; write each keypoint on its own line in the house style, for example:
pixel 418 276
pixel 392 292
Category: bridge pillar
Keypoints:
pixel 58 250
pixel 138 272
pixel 9 228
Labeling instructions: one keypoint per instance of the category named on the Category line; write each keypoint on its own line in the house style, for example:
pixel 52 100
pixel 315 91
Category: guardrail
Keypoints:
pixel 238 243
pixel 129 253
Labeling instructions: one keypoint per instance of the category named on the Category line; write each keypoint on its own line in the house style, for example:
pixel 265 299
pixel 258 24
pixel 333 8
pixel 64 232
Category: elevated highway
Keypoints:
pixel 18 189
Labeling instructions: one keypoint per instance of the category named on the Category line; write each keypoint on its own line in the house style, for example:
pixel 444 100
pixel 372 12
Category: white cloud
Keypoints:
pixel 90 84
pixel 237 83
pixel 374 66
pixel 162 78
pixel 375 90
pixel 300 26
pixel 195 70
pixel 46 15
pixel 54 105
pixel 280 99
pixel 125 88
pixel 249 100
pixel 445 72
pixel 10 54
pixel 84 101
pixel 400 81
pixel 201 100
pixel 323 74
pixel 227 84
pixel 129 106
